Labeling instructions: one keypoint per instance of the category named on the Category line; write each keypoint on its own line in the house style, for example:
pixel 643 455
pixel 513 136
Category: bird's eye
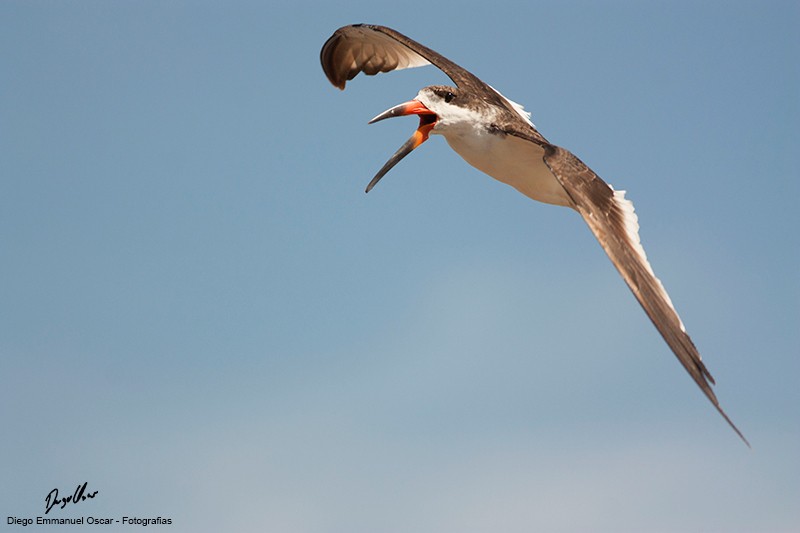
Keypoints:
pixel 448 97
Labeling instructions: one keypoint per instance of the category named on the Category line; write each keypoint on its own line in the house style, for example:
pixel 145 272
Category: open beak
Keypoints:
pixel 427 119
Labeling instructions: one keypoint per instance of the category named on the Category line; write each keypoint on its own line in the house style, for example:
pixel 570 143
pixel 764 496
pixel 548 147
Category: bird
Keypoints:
pixel 496 136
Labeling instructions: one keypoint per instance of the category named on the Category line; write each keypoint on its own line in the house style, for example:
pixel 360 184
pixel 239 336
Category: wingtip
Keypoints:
pixel 732 425
pixel 741 435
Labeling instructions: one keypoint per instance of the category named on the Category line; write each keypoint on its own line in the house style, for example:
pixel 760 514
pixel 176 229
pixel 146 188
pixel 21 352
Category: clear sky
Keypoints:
pixel 204 317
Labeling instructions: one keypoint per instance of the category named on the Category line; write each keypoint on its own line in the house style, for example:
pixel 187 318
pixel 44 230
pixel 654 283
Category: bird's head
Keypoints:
pixel 437 108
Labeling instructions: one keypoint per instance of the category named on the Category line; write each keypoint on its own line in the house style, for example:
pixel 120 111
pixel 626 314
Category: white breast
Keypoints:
pixel 511 160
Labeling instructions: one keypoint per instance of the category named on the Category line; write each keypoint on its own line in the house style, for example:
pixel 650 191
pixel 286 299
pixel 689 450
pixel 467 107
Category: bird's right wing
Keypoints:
pixel 612 219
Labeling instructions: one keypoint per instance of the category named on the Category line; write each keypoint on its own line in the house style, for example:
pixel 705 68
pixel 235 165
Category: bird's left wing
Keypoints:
pixel 372 49
pixel 612 219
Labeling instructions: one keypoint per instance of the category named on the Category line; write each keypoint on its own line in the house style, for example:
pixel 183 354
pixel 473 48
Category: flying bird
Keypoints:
pixel 496 136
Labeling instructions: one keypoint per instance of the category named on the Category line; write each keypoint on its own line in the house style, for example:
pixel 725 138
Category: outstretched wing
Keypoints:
pixel 372 49
pixel 613 221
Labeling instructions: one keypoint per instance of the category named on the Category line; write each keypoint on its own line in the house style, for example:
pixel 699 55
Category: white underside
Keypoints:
pixel 511 160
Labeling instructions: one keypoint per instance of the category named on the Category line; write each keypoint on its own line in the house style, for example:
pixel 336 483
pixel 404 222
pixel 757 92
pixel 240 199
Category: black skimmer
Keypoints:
pixel 496 136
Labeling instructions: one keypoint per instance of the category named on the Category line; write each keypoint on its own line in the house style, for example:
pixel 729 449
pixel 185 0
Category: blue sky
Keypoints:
pixel 204 316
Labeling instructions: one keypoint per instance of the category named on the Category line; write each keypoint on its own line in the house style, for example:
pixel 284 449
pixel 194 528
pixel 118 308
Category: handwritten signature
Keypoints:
pixel 79 495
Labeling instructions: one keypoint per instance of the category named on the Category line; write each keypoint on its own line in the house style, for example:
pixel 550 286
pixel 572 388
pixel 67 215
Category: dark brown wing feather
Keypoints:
pixel 372 49
pixel 595 200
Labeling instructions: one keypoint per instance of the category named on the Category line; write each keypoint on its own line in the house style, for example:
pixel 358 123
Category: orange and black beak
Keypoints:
pixel 427 119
